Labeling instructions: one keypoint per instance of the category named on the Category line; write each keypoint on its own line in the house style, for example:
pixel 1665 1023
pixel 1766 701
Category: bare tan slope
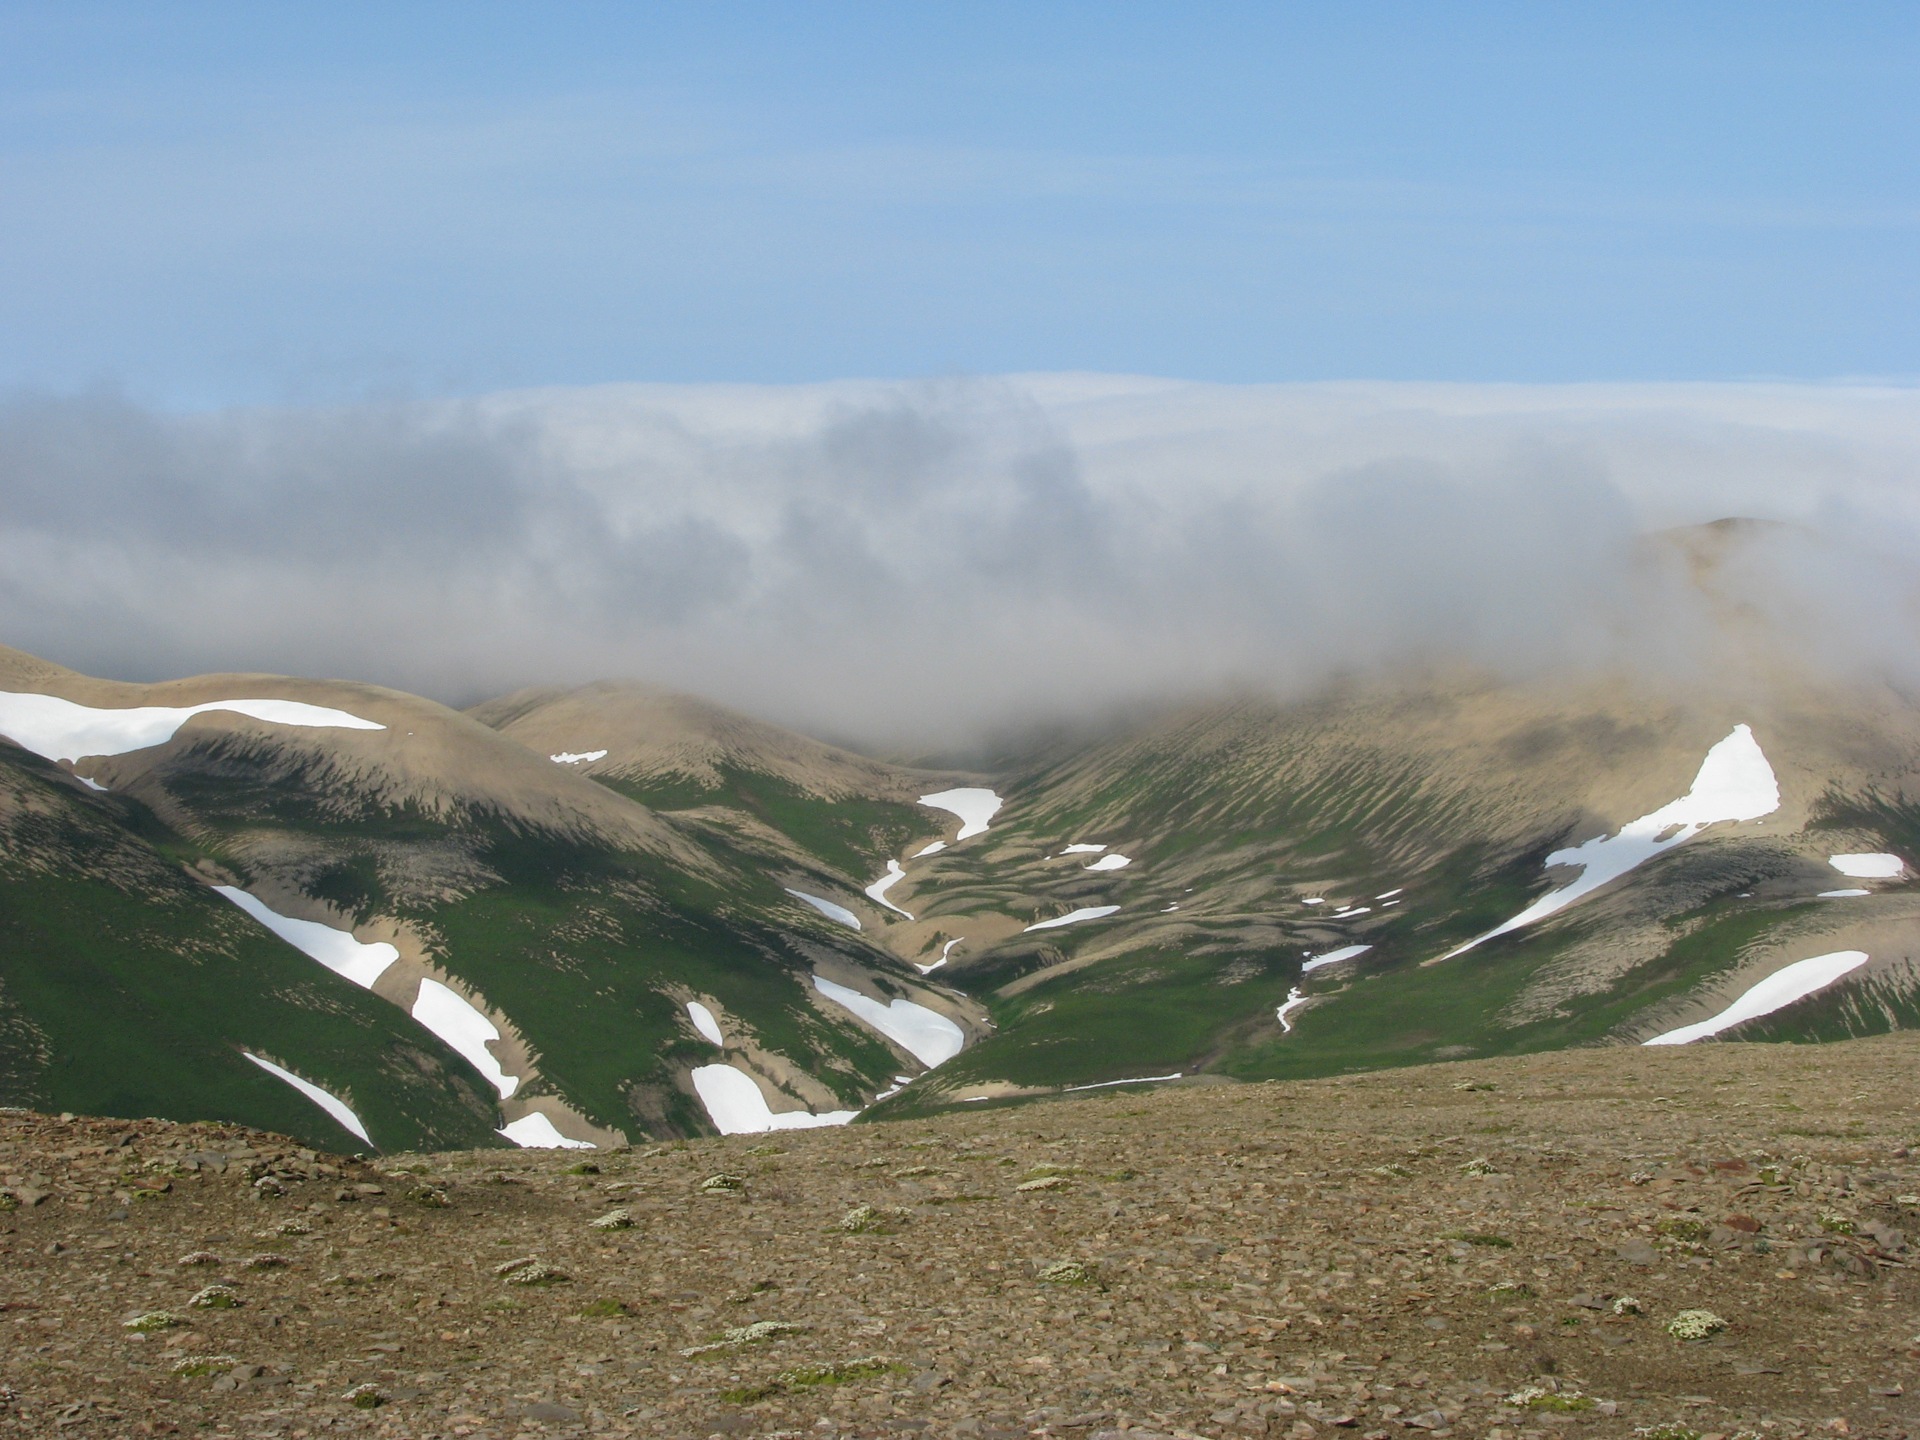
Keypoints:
pixel 650 733
pixel 427 758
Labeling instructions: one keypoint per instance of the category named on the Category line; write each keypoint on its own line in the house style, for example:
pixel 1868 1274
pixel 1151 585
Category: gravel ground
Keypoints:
pixel 1487 1248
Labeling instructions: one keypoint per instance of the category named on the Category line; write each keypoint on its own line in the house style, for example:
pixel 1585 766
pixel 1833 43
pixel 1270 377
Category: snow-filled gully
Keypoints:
pixel 834 912
pixel 438 1008
pixel 877 891
pixel 1786 986
pixel 325 1099
pixel 927 1035
pixel 973 805
pixel 737 1106
pixel 1735 783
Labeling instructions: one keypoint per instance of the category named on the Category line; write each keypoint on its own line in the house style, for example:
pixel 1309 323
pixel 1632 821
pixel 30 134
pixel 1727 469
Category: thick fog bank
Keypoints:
pixel 914 563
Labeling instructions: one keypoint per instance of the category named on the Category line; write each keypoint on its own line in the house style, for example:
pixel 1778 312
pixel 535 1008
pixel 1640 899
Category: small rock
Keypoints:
pixel 546 1412
pixel 1636 1251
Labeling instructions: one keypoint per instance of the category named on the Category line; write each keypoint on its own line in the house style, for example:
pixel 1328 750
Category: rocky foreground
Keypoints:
pixel 1705 1240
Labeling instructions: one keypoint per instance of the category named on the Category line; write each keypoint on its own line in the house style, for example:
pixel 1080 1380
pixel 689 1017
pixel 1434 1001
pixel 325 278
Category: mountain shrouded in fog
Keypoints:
pixel 916 564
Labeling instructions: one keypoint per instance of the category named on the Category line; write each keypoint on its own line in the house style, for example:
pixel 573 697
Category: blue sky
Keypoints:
pixel 206 204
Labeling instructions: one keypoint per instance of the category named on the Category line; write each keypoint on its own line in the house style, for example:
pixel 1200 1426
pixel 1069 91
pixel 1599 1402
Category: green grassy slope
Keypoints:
pixel 130 989
pixel 584 946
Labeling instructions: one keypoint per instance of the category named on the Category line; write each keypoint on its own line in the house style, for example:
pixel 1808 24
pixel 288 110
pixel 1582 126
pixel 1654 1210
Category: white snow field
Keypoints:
pixel 59 729
pixel 355 960
pixel 576 757
pixel 737 1107
pixel 934 849
pixel 1778 990
pixel 1074 917
pixel 1082 848
pixel 1871 866
pixel 927 1035
pixel 1842 894
pixel 877 891
pixel 465 1030
pixel 1735 783
pixel 1110 862
pixel 325 1099
pixel 1332 957
pixel 537 1132
pixel 704 1022
pixel 829 909
pixel 975 808
pixel 945 950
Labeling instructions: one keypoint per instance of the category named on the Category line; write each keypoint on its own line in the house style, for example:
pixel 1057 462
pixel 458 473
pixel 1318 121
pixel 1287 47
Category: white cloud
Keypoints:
pixel 912 561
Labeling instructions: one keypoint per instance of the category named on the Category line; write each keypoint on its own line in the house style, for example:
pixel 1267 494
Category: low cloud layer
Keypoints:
pixel 915 564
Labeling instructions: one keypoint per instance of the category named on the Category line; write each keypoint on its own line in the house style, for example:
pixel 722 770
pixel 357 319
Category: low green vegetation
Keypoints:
pixel 129 989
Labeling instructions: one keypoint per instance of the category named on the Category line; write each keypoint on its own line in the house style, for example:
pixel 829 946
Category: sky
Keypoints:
pixel 906 372
pixel 207 205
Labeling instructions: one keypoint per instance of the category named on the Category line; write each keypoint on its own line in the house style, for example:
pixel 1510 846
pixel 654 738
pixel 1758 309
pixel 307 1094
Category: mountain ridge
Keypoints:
pixel 1239 889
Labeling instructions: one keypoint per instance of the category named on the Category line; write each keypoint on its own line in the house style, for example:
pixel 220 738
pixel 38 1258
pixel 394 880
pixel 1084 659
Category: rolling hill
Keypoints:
pixel 614 913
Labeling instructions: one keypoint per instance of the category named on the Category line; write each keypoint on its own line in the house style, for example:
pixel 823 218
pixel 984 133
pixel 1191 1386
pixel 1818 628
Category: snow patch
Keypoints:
pixel 877 891
pixel 1391 893
pixel 1778 990
pixel 1735 783
pixel 1842 894
pixel 736 1106
pixel 1074 917
pixel 1296 997
pixel 1137 1080
pixel 1874 866
pixel 704 1022
pixel 575 757
pixel 59 729
pixel 465 1030
pixel 1110 862
pixel 355 960
pixel 1332 957
pixel 91 784
pixel 537 1132
pixel 1080 848
pixel 974 806
pixel 945 950
pixel 325 1099
pixel 934 849
pixel 829 909
pixel 927 1035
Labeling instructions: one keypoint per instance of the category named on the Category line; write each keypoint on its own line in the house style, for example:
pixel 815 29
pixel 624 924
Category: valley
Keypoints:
pixel 613 915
